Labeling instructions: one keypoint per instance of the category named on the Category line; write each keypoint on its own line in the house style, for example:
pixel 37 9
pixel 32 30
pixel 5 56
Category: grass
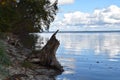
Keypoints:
pixel 4 60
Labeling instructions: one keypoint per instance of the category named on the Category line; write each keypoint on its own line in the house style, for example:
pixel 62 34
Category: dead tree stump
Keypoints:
pixel 47 55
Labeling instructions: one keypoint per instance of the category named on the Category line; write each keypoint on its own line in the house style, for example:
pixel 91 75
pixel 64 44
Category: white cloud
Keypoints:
pixel 107 17
pixel 110 15
pixel 63 2
pixel 76 18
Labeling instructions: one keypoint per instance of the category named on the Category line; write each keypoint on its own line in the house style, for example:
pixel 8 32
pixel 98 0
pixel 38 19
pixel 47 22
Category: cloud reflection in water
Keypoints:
pixel 89 54
pixel 101 43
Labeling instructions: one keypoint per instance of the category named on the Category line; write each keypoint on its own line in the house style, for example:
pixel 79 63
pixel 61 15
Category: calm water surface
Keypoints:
pixel 88 56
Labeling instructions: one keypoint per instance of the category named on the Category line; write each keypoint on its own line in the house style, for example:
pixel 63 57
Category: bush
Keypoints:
pixel 4 61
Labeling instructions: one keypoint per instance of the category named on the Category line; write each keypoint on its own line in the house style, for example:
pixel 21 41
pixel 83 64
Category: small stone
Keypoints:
pixel 97 62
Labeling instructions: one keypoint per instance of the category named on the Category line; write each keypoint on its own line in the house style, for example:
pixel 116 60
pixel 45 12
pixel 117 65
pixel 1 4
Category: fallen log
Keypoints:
pixel 47 55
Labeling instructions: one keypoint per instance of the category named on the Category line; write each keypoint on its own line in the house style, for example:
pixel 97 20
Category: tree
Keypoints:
pixel 26 16
pixel 7 15
pixel 18 19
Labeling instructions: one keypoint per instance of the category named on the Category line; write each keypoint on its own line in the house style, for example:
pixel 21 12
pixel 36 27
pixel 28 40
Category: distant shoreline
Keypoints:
pixel 115 31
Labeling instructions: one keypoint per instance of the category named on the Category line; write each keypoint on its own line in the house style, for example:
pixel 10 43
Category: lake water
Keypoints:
pixel 88 56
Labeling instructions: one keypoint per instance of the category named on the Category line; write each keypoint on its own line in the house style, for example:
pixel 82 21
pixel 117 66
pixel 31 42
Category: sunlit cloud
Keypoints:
pixel 64 2
pixel 107 17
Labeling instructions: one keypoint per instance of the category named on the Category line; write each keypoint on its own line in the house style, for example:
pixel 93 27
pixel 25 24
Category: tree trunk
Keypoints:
pixel 47 55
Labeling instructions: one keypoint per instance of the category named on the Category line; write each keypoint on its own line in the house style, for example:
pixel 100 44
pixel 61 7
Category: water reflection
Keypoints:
pixel 41 41
pixel 69 65
pixel 100 43
pixel 88 56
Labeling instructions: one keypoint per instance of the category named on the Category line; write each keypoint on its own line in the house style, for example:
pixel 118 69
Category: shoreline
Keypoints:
pixel 19 69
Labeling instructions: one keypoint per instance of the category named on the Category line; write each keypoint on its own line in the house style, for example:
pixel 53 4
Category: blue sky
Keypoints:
pixel 87 15
pixel 88 5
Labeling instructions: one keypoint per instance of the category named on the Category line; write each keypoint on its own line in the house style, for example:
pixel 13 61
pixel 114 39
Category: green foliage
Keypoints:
pixel 26 16
pixel 7 15
pixel 4 60
pixel 3 72
pixel 22 18
pixel 28 41
pixel 1 35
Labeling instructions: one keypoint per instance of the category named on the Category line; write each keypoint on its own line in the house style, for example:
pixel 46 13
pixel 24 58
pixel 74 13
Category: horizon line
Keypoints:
pixel 83 31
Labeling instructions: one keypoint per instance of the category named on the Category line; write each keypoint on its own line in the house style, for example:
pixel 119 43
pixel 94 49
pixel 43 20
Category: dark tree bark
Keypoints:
pixel 47 55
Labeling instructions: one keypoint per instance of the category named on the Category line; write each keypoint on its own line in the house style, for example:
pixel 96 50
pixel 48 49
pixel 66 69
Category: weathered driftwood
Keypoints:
pixel 47 55
pixel 16 77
